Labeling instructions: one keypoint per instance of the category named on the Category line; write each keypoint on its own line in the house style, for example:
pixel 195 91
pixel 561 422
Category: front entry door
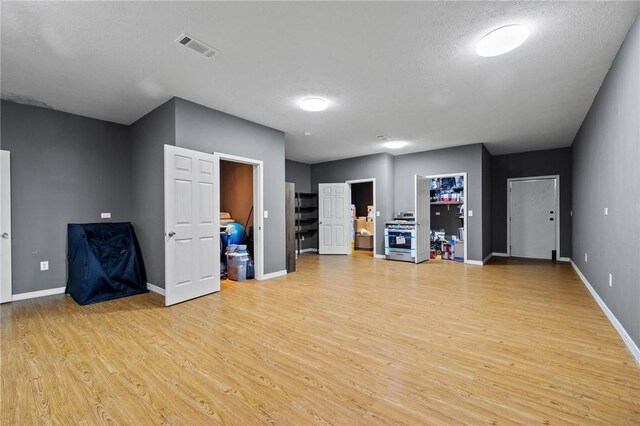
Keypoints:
pixel 532 224
pixel 334 205
pixel 192 224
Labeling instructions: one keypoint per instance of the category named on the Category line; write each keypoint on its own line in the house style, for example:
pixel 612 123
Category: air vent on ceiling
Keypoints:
pixel 196 45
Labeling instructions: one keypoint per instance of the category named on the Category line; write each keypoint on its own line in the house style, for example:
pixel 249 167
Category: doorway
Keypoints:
pixel 363 215
pixel 533 227
pixel 446 199
pixel 241 217
pixel 5 227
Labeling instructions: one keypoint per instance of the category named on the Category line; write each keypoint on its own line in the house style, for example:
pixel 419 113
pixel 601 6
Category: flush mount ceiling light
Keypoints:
pixel 395 144
pixel 313 104
pixel 502 40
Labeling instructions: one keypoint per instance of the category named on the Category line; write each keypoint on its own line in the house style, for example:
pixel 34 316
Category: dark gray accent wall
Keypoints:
pixel 378 166
pixel 298 174
pixel 64 169
pixel 148 136
pixel 606 173
pixel 486 202
pixel 207 130
pixel 529 164
pixel 467 158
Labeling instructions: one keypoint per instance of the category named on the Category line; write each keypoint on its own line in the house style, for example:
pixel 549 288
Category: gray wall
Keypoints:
pixel 467 158
pixel 379 166
pixel 148 136
pixel 64 169
pixel 207 130
pixel 606 173
pixel 536 163
pixel 299 174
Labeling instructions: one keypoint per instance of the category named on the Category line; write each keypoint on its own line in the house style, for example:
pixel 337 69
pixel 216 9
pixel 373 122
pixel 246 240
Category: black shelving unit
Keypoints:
pixel 306 216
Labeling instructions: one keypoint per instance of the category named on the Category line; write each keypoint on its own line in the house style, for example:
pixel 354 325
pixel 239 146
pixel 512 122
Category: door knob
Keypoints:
pixel 171 234
pixel 5 235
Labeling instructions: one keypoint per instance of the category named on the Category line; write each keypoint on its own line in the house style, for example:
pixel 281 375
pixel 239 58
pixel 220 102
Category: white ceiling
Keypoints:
pixel 405 70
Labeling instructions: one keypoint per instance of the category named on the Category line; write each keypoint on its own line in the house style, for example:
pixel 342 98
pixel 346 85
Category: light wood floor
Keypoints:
pixel 344 341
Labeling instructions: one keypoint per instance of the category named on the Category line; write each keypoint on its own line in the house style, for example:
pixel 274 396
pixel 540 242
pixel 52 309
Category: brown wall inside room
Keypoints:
pixel 236 190
pixel 361 197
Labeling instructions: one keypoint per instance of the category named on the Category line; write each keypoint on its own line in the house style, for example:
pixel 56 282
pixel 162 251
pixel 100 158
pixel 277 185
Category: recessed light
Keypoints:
pixel 313 104
pixel 502 40
pixel 395 144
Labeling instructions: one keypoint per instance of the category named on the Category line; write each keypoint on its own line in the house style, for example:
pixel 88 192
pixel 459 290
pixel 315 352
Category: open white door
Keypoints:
pixel 423 218
pixel 334 210
pixel 5 227
pixel 192 225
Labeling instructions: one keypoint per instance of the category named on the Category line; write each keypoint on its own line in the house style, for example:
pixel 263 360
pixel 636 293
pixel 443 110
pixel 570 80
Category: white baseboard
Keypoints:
pixel 474 262
pixel 564 259
pixel 497 254
pixel 34 294
pixel 155 289
pixel 379 256
pixel 309 250
pixel 633 348
pixel 274 275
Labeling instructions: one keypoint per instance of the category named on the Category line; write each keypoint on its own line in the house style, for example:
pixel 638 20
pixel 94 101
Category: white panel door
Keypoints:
pixel 423 218
pixel 532 222
pixel 334 213
pixel 192 224
pixel 5 227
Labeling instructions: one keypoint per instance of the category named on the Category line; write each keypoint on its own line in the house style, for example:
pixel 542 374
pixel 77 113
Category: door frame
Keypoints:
pixel 375 211
pixel 465 188
pixel 258 207
pixel 556 204
pixel 6 287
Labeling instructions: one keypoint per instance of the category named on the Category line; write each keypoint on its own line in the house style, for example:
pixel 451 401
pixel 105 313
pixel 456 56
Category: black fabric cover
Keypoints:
pixel 103 262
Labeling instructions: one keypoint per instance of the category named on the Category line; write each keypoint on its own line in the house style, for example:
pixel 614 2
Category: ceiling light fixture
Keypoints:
pixel 395 144
pixel 502 40
pixel 313 104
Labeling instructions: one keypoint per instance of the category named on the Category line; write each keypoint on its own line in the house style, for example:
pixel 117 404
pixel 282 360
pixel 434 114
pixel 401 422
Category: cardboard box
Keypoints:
pixel 360 223
pixel 369 227
pixel 364 242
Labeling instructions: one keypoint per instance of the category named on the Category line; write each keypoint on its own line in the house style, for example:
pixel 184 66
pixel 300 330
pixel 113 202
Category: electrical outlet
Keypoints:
pixel 266 214
pixel 302 238
pixel 105 215
pixel 470 213
pixel 437 213
pixel 610 280
pixel 585 257
pixel 44 266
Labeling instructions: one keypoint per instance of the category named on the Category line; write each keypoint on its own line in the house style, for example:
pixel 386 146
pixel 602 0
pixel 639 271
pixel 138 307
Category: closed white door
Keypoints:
pixel 423 218
pixel 192 224
pixel 5 227
pixel 532 224
pixel 334 210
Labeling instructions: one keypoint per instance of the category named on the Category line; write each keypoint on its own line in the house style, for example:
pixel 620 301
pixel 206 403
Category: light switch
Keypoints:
pixel 470 213
pixel 105 215
pixel 266 214
pixel 606 211
pixel 378 214
pixel 437 213
pixel 44 266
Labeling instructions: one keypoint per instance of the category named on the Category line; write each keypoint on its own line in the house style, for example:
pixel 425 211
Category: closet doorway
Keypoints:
pixel 241 211
pixel 363 216
pixel 448 217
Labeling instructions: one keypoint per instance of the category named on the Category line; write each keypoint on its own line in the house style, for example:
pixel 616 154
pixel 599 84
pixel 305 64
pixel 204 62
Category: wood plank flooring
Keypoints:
pixel 346 341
